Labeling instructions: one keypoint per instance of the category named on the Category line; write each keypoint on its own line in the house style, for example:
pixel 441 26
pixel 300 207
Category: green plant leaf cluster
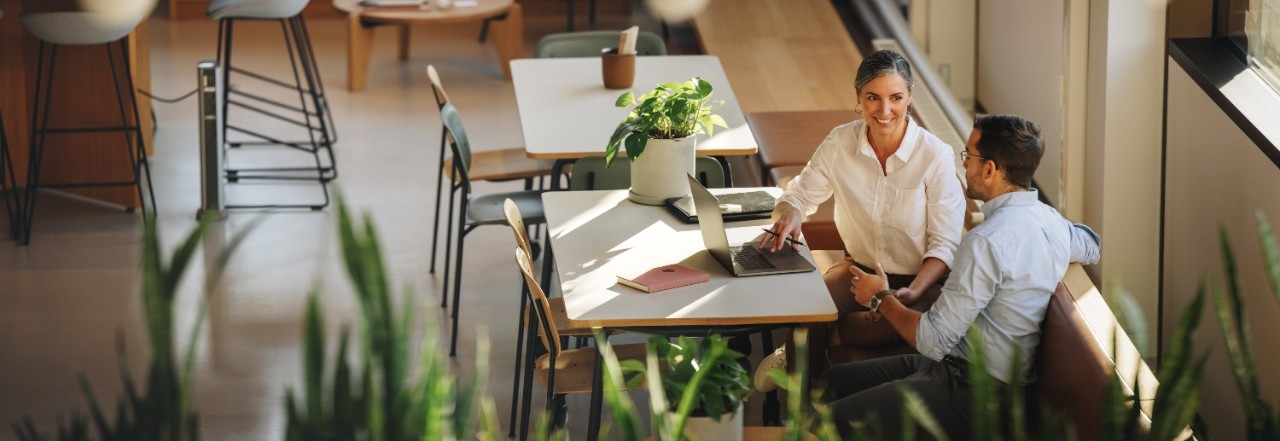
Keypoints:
pixel 164 410
pixel 669 111
pixel 1262 421
pixel 381 399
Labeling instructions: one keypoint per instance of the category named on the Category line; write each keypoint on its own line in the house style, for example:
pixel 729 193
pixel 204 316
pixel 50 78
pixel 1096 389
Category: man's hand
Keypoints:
pixel 787 221
pixel 864 285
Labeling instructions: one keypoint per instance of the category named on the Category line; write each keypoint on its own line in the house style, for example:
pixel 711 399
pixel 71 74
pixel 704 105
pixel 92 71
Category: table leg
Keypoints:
pixel 404 42
pixel 508 36
pixel 359 46
pixel 597 393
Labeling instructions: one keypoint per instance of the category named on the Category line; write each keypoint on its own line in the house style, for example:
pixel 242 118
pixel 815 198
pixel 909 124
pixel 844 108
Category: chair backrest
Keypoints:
pixel 457 140
pixel 516 221
pixel 550 333
pixel 590 174
pixel 436 87
pixel 590 43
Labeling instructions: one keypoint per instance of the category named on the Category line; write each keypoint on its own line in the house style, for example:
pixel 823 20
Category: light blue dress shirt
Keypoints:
pixel 1004 273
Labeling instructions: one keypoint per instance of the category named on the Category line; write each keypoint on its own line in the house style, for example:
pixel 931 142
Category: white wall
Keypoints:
pixel 1123 142
pixel 1020 63
pixel 946 30
pixel 1217 176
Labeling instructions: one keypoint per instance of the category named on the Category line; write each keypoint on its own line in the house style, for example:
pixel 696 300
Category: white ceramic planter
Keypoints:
pixel 659 172
pixel 729 428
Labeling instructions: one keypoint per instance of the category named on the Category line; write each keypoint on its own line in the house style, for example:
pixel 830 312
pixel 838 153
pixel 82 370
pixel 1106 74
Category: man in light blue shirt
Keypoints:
pixel 1005 271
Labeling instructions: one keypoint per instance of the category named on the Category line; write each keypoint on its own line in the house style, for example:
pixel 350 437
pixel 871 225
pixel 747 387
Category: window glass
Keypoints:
pixel 1261 32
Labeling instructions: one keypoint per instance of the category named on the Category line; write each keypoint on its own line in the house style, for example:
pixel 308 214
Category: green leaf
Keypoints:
pixel 626 99
pixel 704 88
pixel 1270 253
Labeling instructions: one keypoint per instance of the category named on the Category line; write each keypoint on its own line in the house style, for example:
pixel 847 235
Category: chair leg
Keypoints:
pixel 520 336
pixel 448 243
pixel 435 226
pixel 39 124
pixel 530 360
pixel 569 15
pixel 138 151
pixel 457 280
pixel 8 184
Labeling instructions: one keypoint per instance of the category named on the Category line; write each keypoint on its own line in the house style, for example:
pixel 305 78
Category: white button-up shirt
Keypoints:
pixel 913 210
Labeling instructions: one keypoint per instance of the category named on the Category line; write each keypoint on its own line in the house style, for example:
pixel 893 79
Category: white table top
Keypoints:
pixel 565 111
pixel 597 235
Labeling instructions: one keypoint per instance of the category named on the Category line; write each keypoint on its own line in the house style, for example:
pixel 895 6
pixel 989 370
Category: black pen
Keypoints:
pixel 789 239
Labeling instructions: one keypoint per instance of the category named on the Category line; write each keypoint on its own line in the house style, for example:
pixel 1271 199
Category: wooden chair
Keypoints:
pixel 560 371
pixel 473 210
pixel 521 233
pixel 490 165
pixel 590 43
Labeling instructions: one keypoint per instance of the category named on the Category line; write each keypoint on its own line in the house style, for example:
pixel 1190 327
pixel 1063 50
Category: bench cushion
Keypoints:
pixel 790 138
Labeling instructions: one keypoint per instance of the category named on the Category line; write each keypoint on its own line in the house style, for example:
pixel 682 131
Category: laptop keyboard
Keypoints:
pixel 749 258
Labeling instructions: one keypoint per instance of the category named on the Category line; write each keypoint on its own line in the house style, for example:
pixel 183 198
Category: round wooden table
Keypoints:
pixel 506 16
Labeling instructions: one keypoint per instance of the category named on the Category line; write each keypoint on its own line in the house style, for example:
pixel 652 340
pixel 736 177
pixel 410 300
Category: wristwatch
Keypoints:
pixel 875 300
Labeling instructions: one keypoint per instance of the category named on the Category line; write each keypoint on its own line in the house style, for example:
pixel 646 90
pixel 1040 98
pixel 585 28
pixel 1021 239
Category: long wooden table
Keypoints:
pixel 782 55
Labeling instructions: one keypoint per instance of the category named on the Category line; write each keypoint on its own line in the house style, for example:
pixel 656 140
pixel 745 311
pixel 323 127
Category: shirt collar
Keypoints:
pixel 1012 198
pixel 905 150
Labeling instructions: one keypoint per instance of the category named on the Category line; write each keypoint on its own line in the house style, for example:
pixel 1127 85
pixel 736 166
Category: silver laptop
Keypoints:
pixel 744 259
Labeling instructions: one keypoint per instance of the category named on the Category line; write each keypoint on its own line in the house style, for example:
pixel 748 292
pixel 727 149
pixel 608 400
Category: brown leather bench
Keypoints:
pixel 790 138
pixel 1071 365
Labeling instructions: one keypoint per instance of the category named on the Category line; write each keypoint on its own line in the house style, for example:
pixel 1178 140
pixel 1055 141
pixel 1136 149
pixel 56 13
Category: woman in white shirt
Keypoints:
pixel 897 202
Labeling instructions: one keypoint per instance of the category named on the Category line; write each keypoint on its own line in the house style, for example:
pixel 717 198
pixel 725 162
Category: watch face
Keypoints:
pixel 875 303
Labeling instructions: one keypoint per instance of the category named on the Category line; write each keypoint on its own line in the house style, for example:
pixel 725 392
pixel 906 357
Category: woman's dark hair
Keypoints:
pixel 882 62
pixel 1013 143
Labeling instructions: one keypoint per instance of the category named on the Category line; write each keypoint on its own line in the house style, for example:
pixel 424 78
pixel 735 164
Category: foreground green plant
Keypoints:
pixel 1261 419
pixel 164 410
pixel 387 402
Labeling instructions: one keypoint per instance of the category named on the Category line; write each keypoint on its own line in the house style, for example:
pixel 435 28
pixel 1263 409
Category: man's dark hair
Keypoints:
pixel 1013 143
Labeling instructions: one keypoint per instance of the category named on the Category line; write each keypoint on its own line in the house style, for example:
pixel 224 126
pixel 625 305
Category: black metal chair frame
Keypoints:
pixel 456 138
pixel 40 131
pixel 312 113
pixel 8 183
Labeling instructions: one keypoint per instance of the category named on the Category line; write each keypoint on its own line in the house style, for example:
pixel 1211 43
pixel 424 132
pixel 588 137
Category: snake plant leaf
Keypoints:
pixel 1270 253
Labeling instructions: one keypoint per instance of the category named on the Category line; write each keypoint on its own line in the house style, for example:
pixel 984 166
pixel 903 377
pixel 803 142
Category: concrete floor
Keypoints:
pixel 68 297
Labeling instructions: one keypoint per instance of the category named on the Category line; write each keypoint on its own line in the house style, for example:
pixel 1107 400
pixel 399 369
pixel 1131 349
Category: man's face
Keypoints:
pixel 973 166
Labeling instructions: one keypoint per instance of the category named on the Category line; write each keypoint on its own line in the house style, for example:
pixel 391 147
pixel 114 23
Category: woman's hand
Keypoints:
pixel 907 296
pixel 787 221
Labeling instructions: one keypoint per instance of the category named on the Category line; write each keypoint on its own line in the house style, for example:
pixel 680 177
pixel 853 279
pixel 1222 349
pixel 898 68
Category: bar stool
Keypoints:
pixel 311 113
pixel 7 180
pixel 92 22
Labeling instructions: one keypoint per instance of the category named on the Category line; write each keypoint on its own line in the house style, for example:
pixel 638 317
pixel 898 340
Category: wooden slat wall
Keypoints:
pixel 782 55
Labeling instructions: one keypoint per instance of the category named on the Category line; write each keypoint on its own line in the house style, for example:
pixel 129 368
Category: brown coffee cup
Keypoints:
pixel 619 71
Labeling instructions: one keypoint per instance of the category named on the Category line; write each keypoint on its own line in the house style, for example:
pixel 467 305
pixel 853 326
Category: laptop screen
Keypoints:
pixel 711 223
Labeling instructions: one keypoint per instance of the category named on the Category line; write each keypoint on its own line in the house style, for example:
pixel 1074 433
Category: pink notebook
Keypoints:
pixel 665 277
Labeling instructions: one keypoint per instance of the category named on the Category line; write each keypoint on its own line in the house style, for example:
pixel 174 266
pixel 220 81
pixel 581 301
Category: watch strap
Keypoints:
pixel 876 299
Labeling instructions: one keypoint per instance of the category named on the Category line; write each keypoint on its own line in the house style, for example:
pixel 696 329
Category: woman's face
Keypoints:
pixel 884 103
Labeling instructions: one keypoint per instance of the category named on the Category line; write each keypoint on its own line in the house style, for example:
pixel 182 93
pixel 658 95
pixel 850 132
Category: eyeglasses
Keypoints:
pixel 964 156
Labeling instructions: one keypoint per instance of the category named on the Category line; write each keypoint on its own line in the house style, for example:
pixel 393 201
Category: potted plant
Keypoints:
pixel 703 388
pixel 663 123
